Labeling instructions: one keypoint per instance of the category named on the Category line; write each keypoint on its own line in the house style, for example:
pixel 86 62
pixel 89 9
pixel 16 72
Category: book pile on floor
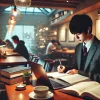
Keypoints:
pixel 13 75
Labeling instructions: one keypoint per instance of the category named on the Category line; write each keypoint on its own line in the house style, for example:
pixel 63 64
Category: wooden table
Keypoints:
pixel 24 95
pixel 68 55
pixel 13 60
pixel 66 51
pixel 12 54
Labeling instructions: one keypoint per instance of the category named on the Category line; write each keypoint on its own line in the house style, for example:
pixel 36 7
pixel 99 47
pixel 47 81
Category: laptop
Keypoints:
pixel 43 79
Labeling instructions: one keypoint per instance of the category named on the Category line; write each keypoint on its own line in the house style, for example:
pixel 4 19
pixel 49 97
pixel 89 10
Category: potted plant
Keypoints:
pixel 26 77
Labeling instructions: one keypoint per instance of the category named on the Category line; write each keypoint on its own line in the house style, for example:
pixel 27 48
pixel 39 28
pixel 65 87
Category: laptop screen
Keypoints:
pixel 40 74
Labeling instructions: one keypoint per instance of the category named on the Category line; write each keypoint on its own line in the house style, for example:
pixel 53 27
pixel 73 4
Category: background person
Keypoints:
pixel 51 47
pixel 20 48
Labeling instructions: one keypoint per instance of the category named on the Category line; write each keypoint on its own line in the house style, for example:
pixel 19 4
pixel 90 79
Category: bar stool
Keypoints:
pixel 31 56
pixel 36 59
pixel 48 65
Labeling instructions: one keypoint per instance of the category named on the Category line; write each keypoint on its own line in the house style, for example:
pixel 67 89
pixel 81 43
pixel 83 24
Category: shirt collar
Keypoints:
pixel 89 43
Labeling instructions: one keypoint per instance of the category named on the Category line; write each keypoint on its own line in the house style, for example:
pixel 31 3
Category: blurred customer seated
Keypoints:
pixel 51 46
pixel 58 45
pixel 20 48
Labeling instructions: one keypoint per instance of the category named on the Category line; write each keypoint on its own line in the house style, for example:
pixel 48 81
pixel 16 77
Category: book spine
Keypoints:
pixel 16 74
pixel 12 80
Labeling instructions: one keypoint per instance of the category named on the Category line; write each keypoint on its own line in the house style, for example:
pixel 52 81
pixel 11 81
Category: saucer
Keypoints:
pixel 33 96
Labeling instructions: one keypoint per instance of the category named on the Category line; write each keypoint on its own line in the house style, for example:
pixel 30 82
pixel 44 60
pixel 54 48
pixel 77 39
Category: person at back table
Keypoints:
pixel 20 48
pixel 51 47
pixel 58 45
pixel 87 53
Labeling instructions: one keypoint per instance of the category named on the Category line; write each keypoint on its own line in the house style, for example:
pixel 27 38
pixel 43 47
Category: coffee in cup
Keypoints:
pixel 41 91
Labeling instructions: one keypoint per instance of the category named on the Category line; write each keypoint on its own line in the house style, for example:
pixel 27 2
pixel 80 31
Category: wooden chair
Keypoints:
pixel 33 58
pixel 48 64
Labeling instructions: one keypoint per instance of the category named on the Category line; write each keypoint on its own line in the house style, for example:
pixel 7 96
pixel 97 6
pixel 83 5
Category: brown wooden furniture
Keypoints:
pixel 24 95
pixel 33 58
pixel 12 54
pixel 13 60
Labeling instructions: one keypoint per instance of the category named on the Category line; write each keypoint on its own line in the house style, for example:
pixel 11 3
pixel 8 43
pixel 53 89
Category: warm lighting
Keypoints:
pixel 10 28
pixel 21 96
pixel 71 12
pixel 55 33
pixel 22 3
pixel 43 29
pixel 46 28
pixel 21 87
pixel 99 12
pixel 22 0
pixel 16 13
pixel 11 22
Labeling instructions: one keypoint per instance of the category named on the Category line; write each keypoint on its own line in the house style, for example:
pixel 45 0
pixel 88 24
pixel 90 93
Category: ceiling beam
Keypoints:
pixel 69 1
pixel 57 2
pixel 63 6
pixel 42 10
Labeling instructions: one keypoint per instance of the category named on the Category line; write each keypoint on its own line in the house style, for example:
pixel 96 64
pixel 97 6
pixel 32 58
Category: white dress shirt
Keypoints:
pixel 88 43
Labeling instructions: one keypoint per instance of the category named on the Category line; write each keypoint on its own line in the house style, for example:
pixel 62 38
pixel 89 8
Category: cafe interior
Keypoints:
pixel 37 22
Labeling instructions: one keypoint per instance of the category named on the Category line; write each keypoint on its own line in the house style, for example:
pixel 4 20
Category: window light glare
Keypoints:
pixel 67 1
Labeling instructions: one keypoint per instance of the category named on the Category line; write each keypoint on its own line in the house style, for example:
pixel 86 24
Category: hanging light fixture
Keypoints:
pixel 16 13
pixel 22 3
pixel 11 22
pixel 10 28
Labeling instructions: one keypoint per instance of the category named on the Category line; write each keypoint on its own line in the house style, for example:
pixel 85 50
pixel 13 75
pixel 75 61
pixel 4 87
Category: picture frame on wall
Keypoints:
pixel 98 29
pixel 62 35
pixel 71 37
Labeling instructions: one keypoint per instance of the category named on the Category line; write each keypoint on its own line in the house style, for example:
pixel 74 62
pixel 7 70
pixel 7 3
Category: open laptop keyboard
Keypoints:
pixel 56 85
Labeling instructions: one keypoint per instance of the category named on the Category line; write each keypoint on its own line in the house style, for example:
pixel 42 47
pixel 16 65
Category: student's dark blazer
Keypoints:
pixel 92 65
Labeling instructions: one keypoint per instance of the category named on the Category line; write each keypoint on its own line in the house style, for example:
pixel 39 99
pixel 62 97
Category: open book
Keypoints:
pixel 55 74
pixel 89 89
pixel 72 79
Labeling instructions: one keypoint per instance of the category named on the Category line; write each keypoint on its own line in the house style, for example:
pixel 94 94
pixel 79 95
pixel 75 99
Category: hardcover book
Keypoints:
pixel 12 80
pixel 87 90
pixel 14 71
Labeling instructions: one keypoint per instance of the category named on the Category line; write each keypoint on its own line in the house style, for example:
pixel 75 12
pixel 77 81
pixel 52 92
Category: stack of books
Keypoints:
pixel 13 75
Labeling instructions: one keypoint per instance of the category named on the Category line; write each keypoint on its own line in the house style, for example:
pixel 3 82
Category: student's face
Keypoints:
pixel 81 37
pixel 15 41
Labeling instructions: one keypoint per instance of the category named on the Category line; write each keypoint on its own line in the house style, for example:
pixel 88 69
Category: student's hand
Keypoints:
pixel 60 68
pixel 73 71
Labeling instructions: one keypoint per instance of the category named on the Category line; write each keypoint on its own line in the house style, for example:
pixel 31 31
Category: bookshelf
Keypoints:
pixel 58 16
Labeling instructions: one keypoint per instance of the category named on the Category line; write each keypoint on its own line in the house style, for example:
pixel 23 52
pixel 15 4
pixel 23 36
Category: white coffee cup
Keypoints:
pixel 41 91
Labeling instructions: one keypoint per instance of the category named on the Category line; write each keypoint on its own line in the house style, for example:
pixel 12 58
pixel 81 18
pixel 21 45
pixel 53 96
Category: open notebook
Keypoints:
pixel 72 79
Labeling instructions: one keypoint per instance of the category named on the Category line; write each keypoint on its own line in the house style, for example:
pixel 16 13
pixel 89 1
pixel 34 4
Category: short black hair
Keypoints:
pixel 53 41
pixel 15 37
pixel 80 23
